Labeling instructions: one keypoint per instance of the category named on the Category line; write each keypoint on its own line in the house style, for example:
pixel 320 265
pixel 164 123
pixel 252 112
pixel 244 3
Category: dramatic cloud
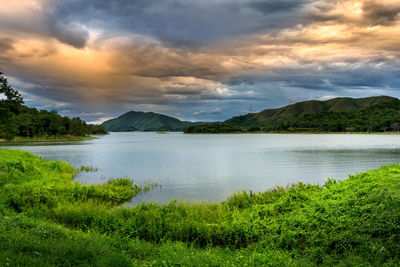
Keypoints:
pixel 72 34
pixel 97 58
pixel 182 22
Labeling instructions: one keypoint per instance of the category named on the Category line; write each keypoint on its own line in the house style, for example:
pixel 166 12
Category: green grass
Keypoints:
pixel 47 219
pixel 87 169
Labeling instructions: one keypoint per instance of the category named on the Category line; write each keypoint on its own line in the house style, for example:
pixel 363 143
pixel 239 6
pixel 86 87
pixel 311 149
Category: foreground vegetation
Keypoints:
pixel 48 219
pixel 18 120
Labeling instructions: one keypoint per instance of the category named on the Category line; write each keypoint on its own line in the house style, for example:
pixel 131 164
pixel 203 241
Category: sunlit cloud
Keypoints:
pixel 195 59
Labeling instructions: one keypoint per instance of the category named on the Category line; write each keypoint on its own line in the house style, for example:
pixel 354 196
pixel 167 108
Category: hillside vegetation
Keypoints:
pixel 377 118
pixel 377 114
pixel 273 117
pixel 17 119
pixel 144 121
pixel 46 219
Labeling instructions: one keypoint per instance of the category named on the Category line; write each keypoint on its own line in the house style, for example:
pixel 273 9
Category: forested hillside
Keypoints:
pixel 372 114
pixel 377 118
pixel 17 119
pixel 144 121
pixel 273 117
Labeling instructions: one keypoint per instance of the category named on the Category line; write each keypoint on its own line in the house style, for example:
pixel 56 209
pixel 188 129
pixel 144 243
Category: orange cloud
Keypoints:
pixel 129 68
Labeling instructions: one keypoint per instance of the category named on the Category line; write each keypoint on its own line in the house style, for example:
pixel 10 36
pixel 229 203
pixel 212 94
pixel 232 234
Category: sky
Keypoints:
pixel 196 60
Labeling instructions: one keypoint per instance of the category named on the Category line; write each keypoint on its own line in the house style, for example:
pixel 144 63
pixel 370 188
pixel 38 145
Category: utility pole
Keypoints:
pixel 250 108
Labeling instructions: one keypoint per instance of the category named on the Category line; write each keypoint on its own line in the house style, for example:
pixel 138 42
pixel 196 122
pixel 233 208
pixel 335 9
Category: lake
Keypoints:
pixel 213 167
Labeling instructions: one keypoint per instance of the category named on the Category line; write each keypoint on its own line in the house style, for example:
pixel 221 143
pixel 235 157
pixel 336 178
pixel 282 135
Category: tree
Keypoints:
pixel 8 124
pixel 78 127
pixel 395 126
pixel 13 96
pixel 16 118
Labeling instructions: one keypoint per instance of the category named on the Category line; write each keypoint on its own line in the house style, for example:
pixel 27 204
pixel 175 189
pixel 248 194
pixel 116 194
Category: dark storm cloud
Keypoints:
pixel 71 34
pixel 184 92
pixel 182 22
pixel 273 6
pixel 376 13
pixel 329 77
pixel 35 20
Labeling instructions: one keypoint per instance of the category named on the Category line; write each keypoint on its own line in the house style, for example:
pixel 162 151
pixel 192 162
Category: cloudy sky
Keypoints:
pixel 197 60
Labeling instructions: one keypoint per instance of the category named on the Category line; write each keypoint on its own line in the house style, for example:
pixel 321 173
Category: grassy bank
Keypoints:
pixel 47 219
pixel 65 138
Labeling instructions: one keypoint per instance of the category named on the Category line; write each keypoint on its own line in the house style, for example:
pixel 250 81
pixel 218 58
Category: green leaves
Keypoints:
pixel 13 96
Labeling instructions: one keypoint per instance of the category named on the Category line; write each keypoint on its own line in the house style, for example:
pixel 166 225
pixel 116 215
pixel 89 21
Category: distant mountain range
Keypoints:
pixel 145 121
pixel 371 114
pixel 339 114
pixel 272 117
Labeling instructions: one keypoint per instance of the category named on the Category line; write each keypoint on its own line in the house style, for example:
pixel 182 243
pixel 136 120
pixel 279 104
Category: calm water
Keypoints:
pixel 212 167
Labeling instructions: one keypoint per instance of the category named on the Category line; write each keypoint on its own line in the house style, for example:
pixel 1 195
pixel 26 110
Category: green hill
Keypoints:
pixel 144 121
pixel 272 117
pixel 371 114
pixel 376 118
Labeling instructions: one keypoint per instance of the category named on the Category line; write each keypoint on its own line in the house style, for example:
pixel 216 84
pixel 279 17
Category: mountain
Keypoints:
pixel 144 121
pixel 272 117
pixel 335 114
pixel 376 118
pixel 371 114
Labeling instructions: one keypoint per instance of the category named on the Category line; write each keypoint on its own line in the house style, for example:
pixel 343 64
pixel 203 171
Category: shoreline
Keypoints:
pixel 46 139
pixel 366 133
pixel 46 213
pixel 167 132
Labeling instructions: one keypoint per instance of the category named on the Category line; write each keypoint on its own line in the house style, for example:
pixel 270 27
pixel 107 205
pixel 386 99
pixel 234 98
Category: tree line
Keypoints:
pixel 376 118
pixel 17 119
